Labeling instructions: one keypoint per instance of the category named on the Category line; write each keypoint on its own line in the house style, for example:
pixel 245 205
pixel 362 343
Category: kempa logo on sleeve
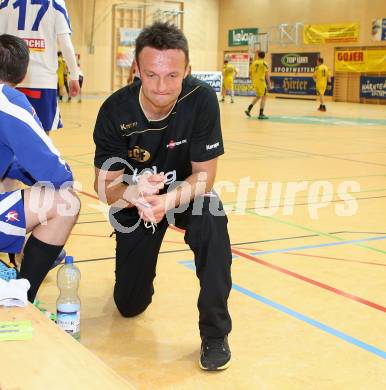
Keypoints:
pixel 213 146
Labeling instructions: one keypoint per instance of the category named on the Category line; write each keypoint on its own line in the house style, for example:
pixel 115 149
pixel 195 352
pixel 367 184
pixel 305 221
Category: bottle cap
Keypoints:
pixel 69 260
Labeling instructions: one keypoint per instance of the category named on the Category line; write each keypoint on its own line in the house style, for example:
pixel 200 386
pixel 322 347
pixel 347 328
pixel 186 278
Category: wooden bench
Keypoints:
pixel 51 359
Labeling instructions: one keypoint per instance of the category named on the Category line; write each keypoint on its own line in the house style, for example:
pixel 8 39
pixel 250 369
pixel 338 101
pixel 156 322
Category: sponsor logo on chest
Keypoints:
pixel 128 126
pixel 138 154
pixel 35 44
pixel 12 216
pixel 172 144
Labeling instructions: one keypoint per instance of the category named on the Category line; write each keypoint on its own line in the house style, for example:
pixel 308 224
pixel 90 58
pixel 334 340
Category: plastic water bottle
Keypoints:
pixel 68 302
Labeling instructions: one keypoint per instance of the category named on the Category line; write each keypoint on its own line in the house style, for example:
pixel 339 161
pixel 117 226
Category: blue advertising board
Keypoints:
pixel 214 79
pixel 372 87
pixel 297 85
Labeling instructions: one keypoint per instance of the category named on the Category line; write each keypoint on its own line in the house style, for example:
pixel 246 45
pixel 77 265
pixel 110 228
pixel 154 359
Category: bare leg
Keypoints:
pixel 50 217
pixel 8 185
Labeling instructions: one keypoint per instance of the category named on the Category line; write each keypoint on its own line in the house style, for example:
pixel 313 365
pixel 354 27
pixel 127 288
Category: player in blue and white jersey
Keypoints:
pixel 49 209
pixel 41 24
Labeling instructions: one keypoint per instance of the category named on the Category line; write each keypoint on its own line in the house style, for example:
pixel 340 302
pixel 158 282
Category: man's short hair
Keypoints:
pixel 320 59
pixel 14 58
pixel 162 36
pixel 261 54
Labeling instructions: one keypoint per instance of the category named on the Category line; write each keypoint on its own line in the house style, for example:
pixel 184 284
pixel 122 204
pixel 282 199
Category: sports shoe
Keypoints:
pixel 262 116
pixel 215 354
pixel 59 259
pixel 222 100
pixel 232 101
pixel 247 113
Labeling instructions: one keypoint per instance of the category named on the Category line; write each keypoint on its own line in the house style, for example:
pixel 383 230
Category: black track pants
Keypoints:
pixel 207 236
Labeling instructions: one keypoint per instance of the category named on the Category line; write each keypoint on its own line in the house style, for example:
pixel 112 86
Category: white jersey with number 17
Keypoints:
pixel 38 22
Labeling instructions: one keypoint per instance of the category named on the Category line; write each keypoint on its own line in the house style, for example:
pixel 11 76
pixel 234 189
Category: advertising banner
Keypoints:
pixel 378 30
pixel 241 62
pixel 294 62
pixel 127 36
pixel 373 87
pixel 330 33
pixel 240 36
pixel 125 50
pixel 354 60
pixel 243 87
pixel 214 79
pixel 297 86
pixel 283 85
pixel 125 56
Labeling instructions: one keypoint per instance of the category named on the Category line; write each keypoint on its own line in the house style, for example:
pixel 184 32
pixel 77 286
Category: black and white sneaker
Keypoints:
pixel 215 354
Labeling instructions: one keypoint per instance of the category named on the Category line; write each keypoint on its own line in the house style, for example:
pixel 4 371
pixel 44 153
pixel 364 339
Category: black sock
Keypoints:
pixel 261 111
pixel 250 107
pixel 37 260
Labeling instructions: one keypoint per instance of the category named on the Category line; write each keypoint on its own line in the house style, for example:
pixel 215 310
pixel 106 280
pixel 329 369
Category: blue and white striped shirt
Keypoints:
pixel 24 145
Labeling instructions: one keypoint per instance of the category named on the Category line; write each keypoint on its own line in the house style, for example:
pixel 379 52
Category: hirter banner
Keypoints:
pixel 289 85
pixel 294 62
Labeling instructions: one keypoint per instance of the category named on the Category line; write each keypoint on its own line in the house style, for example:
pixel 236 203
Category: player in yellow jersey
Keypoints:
pixel 260 80
pixel 321 77
pixel 60 72
pixel 229 73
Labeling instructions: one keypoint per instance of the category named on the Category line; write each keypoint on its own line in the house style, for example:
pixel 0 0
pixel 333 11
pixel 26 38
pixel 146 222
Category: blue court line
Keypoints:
pixel 303 247
pixel 325 328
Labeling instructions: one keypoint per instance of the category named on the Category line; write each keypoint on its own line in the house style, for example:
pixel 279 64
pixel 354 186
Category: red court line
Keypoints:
pixel 288 272
pixel 311 281
pixel 303 278
pixel 174 242
pixel 87 194
pixel 318 257
pixel 89 235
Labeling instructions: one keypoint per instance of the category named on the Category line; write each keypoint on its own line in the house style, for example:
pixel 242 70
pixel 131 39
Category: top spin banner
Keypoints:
pixel 293 62
pixel 330 33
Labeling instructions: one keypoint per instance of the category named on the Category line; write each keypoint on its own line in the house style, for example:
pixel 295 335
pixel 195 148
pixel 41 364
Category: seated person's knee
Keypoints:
pixel 68 204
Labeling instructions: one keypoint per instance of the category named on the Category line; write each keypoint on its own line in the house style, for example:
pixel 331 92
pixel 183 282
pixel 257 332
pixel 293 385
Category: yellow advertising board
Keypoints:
pixel 356 60
pixel 330 33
